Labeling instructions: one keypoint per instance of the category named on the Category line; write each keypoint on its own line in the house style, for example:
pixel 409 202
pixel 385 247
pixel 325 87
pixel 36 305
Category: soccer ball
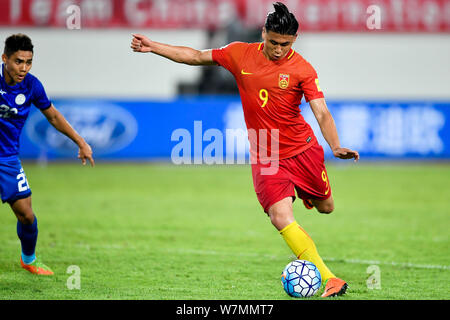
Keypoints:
pixel 301 279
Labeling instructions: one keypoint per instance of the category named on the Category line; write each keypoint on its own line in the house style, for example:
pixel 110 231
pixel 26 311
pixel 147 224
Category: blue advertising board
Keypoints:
pixel 186 129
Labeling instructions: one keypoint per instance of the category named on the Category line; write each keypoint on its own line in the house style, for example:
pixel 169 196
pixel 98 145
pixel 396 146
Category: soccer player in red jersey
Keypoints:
pixel 272 79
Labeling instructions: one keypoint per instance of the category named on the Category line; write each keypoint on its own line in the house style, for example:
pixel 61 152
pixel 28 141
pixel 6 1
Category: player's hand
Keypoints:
pixel 85 153
pixel 141 43
pixel 344 153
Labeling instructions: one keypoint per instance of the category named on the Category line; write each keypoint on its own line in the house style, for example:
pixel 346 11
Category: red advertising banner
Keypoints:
pixel 313 15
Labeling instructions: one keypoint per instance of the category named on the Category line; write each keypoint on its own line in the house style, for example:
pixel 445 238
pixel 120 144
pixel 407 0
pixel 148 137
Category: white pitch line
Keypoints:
pixel 269 256
pixel 389 263
pixel 327 259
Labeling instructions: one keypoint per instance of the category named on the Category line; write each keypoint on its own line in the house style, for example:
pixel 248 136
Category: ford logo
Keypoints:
pixel 106 127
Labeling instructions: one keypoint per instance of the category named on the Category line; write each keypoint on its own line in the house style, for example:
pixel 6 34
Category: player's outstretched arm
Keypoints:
pixel 60 123
pixel 186 55
pixel 328 128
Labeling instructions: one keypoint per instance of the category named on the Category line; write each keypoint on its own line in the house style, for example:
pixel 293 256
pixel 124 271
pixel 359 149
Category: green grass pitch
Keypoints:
pixel 159 231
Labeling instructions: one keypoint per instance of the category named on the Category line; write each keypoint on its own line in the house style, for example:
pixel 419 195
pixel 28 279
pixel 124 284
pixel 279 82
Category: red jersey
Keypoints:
pixel 271 92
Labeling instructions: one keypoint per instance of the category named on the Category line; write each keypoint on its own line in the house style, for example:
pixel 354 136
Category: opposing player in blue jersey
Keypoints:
pixel 18 90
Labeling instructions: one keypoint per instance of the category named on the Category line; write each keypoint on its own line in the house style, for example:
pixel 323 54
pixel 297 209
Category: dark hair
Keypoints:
pixel 17 42
pixel 281 20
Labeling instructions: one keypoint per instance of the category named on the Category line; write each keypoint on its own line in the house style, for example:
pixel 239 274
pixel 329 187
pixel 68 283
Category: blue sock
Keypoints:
pixel 28 234
pixel 28 259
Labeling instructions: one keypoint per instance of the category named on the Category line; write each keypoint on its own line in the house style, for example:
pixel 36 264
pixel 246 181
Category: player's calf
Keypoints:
pixel 23 211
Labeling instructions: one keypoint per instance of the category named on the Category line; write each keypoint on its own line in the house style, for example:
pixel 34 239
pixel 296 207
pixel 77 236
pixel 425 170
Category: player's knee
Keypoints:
pixel 279 220
pixel 326 208
pixel 274 219
pixel 280 213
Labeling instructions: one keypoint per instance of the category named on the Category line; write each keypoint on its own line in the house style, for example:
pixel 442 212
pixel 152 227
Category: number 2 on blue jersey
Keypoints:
pixel 23 181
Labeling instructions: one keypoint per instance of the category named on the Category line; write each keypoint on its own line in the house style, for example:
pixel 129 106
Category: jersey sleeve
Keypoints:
pixel 230 56
pixel 310 84
pixel 39 97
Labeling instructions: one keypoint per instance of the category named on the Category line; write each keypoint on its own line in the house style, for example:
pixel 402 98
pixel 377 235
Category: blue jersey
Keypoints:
pixel 15 103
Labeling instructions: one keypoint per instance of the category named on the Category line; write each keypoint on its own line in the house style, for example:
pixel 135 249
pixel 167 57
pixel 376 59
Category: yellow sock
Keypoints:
pixel 304 248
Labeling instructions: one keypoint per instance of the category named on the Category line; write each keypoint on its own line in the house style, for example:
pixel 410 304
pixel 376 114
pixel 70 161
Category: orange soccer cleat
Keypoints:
pixel 308 204
pixel 36 267
pixel 334 287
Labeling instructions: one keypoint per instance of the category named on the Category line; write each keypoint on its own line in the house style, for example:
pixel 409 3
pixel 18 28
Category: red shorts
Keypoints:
pixel 304 173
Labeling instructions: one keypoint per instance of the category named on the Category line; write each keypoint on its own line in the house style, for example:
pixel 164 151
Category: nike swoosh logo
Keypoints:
pixel 326 292
pixel 243 72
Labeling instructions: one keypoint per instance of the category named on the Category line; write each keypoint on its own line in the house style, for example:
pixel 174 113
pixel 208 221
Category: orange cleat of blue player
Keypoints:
pixel 37 267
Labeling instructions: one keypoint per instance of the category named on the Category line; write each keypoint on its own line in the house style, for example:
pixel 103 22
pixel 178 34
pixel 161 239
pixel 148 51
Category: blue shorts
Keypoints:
pixel 13 181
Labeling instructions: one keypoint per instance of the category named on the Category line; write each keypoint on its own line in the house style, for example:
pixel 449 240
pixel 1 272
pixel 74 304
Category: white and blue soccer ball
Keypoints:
pixel 301 279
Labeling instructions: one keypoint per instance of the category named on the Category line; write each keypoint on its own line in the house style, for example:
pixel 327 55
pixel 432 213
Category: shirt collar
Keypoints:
pixel 286 57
